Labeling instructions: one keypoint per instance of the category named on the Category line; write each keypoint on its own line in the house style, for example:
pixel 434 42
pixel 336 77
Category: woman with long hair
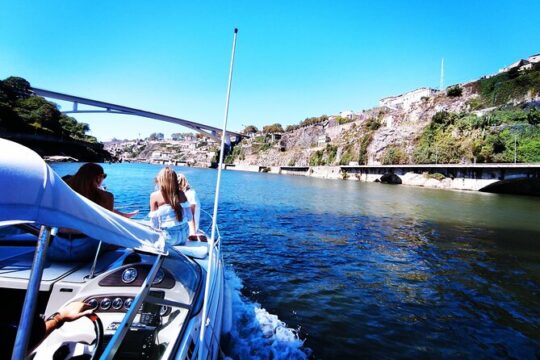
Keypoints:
pixel 169 208
pixel 194 203
pixel 87 182
pixel 72 245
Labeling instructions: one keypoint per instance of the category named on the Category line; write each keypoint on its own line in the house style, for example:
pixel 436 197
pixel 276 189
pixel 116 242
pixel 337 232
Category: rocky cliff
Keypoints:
pixel 493 119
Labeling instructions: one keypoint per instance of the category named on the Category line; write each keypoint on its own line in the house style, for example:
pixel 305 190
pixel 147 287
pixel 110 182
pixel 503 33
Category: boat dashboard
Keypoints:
pixel 157 324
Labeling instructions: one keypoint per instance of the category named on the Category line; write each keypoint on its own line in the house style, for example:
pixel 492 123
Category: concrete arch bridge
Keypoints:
pixel 98 106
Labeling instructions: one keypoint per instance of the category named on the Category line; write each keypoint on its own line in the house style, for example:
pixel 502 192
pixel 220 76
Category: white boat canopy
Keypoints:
pixel 31 192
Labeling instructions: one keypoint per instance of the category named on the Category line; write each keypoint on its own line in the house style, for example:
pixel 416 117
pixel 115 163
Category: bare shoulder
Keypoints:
pixel 156 195
pixel 155 200
pixel 107 194
pixel 107 199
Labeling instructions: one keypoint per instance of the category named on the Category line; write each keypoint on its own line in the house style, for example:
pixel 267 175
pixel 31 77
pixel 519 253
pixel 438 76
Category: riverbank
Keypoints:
pixel 521 179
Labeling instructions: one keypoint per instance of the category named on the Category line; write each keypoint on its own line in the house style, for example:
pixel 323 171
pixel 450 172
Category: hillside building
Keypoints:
pixel 404 101
pixel 522 64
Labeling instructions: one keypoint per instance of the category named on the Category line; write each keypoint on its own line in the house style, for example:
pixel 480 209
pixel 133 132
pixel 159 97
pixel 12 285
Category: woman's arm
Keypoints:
pixel 153 201
pixel 192 225
pixel 192 229
pixel 128 215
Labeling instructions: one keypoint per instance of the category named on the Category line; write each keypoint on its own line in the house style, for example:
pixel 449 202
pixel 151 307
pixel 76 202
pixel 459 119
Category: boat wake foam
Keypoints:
pixel 256 333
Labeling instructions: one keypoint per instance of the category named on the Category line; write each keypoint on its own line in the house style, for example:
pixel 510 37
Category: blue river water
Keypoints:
pixel 330 269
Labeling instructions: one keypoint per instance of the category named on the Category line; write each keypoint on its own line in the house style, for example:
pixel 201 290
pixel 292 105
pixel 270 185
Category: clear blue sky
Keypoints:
pixel 295 59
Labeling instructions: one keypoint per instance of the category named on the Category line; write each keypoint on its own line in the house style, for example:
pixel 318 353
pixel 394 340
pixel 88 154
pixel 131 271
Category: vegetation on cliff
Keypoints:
pixel 507 87
pixel 23 112
pixel 504 135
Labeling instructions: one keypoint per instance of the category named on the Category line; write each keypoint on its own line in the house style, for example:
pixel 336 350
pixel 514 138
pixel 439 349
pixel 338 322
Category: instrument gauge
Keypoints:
pixel 159 277
pixel 127 303
pixel 105 304
pixel 93 303
pixel 117 303
pixel 129 275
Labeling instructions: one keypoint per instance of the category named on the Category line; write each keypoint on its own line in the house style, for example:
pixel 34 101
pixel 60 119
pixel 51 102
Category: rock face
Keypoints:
pixel 373 129
pixel 382 135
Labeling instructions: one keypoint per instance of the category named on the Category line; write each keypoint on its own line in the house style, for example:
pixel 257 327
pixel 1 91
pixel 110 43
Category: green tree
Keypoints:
pixel 454 91
pixel 274 128
pixel 156 136
pixel 250 129
pixel 533 117
pixel 38 112
pixel 16 88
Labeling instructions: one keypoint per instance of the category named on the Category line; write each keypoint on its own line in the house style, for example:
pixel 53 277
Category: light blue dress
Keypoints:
pixel 72 250
pixel 164 218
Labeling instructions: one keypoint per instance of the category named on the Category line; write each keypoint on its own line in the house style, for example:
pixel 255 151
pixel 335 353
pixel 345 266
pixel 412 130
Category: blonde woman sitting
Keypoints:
pixel 169 208
pixel 194 203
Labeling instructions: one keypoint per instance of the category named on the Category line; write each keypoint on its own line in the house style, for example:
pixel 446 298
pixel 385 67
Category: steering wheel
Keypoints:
pixel 98 329
pixel 82 338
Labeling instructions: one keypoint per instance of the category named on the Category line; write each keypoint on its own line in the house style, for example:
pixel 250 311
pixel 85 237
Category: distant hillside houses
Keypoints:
pixel 347 114
pixel 404 101
pixel 522 64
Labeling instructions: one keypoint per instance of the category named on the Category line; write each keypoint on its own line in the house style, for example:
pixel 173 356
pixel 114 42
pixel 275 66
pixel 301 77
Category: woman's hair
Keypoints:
pixel 168 186
pixel 183 184
pixel 85 182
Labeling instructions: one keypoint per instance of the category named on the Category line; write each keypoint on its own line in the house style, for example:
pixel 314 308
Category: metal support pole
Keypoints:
pixel 93 269
pixel 211 243
pixel 29 307
pixel 121 331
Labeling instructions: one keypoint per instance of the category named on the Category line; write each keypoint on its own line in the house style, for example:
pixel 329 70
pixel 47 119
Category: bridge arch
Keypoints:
pixel 524 185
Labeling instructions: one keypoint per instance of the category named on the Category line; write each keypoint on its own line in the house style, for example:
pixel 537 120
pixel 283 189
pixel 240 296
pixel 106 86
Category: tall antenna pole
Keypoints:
pixel 211 244
pixel 441 84
pixel 223 136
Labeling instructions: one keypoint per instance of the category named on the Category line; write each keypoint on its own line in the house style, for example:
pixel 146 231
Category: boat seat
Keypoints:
pixel 194 249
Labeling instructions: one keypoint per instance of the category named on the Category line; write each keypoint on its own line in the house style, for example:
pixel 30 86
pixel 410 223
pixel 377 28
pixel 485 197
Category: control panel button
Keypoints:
pixel 93 303
pixel 117 303
pixel 159 277
pixel 105 304
pixel 127 303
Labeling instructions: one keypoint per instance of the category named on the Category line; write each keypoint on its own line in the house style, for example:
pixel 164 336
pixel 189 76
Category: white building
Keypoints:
pixel 156 155
pixel 323 140
pixel 347 114
pixel 533 59
pixel 522 64
pixel 405 100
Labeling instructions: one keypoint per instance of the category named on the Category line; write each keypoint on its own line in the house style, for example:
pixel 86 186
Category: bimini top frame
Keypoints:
pixel 103 107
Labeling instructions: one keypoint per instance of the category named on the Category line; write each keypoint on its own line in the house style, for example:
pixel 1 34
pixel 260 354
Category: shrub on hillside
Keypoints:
pixel 372 124
pixel 454 91
pixel 394 155
pixel 364 142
